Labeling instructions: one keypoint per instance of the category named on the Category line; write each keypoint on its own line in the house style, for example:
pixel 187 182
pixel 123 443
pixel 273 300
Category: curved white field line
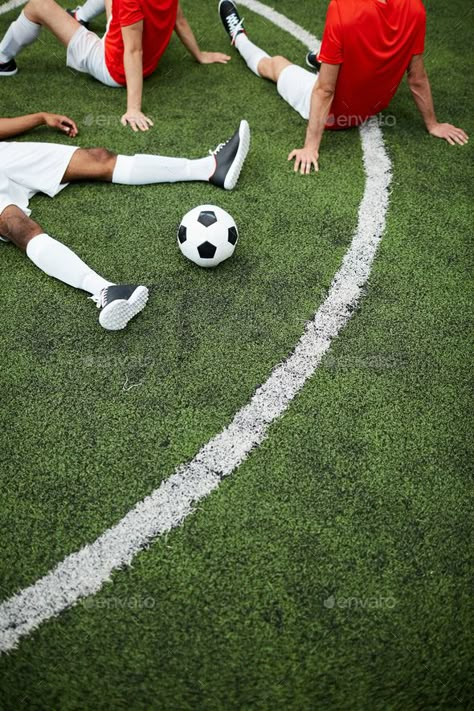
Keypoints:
pixel 11 5
pixel 84 573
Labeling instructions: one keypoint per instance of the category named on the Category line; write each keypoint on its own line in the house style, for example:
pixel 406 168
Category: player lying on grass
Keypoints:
pixel 366 49
pixel 30 168
pixel 138 33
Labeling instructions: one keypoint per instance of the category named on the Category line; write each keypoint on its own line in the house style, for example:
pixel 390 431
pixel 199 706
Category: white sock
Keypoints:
pixel 20 34
pixel 58 261
pixel 90 9
pixel 146 169
pixel 250 52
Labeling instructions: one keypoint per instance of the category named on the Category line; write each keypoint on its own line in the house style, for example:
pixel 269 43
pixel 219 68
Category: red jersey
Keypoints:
pixel 159 19
pixel 374 43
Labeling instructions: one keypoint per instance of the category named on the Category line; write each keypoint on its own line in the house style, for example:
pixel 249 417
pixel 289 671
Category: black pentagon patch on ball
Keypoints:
pixel 233 235
pixel 207 250
pixel 182 234
pixel 207 218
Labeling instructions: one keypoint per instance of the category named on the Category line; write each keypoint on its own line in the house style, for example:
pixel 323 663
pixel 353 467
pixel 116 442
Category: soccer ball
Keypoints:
pixel 207 235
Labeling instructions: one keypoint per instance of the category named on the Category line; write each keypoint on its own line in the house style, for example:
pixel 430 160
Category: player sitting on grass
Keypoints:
pixel 366 49
pixel 138 32
pixel 30 168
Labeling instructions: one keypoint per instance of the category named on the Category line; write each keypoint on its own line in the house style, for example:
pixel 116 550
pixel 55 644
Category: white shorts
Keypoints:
pixel 86 53
pixel 30 168
pixel 295 85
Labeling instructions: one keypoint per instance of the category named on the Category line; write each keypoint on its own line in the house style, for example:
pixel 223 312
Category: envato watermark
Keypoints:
pixel 352 120
pixel 376 602
pixel 118 361
pixel 102 120
pixel 118 603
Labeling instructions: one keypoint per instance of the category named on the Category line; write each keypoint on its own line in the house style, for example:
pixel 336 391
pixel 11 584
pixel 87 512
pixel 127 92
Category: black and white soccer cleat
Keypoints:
pixel 233 24
pixel 73 14
pixel 8 69
pixel 230 157
pixel 312 61
pixel 119 304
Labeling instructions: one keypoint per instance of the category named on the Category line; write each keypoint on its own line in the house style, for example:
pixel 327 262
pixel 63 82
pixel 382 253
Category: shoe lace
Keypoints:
pixel 235 25
pixel 99 299
pixel 219 148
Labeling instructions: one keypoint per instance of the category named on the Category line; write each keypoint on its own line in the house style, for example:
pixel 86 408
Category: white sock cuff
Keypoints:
pixel 249 51
pixel 123 170
pixel 37 244
pixel 27 23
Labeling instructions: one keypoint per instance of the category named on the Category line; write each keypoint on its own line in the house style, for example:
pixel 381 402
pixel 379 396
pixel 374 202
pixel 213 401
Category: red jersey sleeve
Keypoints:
pixel 332 49
pixel 419 44
pixel 129 12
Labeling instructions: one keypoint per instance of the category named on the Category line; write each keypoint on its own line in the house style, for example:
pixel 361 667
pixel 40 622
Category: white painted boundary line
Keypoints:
pixel 84 573
pixel 11 5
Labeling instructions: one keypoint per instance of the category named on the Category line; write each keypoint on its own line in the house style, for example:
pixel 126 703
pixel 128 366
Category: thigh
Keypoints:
pixel 90 164
pixel 51 15
pixel 295 86
pixel 36 167
pixel 86 53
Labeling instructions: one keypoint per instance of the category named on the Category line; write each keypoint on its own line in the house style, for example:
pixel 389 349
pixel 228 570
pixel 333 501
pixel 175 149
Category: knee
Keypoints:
pixel 17 227
pixel 100 155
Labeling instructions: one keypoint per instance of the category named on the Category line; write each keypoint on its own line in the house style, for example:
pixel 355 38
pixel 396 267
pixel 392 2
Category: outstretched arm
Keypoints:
pixel 321 100
pixel 421 91
pixel 10 127
pixel 186 35
pixel 133 64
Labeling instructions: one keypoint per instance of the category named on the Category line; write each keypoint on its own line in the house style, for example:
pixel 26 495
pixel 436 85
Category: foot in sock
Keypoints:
pixel 230 157
pixel 73 14
pixel 119 303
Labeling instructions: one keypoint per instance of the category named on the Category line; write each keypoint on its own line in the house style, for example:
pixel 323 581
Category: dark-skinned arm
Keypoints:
pixel 10 127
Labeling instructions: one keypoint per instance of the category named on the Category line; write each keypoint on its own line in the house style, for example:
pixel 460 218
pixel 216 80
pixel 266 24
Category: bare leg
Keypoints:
pixel 49 255
pixel 91 164
pixel 17 227
pixel 101 164
pixel 52 16
pixel 271 67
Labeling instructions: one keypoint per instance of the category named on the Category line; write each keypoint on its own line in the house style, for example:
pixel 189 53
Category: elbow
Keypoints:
pixel 325 92
pixel 134 52
pixel 417 82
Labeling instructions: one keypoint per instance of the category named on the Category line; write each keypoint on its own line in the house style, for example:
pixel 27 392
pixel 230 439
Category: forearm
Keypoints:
pixel 421 91
pixel 321 101
pixel 186 36
pixel 133 64
pixel 10 127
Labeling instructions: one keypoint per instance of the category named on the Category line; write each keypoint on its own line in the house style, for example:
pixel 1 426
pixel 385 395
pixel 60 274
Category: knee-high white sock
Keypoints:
pixel 146 169
pixel 90 9
pixel 19 35
pixel 250 52
pixel 58 261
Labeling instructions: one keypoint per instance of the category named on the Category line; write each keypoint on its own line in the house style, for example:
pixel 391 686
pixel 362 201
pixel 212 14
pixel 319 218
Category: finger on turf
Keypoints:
pixel 308 168
pixel 316 165
pixel 450 140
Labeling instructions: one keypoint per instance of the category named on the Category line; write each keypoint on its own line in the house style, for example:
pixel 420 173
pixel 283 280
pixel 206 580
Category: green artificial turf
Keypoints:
pixel 332 569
